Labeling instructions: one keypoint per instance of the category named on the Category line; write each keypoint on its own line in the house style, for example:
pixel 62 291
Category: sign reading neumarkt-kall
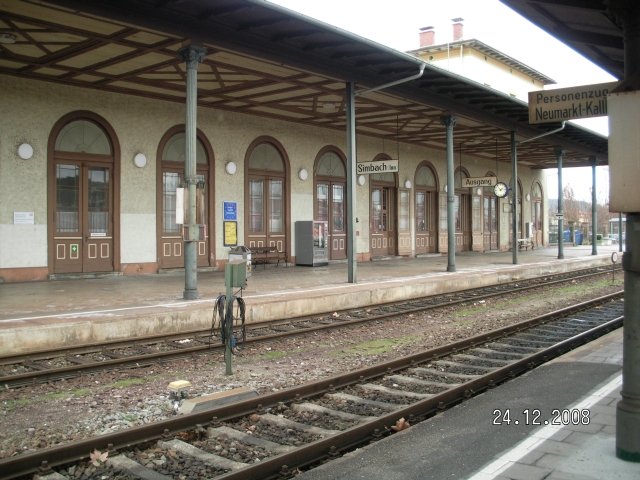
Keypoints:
pixel 553 106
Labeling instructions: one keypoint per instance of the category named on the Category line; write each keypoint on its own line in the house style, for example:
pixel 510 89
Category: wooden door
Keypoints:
pixel 382 221
pixel 83 218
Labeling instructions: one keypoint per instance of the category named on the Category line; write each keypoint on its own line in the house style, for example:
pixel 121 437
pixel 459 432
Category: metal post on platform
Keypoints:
pixel 192 55
pixel 559 154
pixel 594 211
pixel 628 408
pixel 449 121
pixel 350 113
pixel 514 198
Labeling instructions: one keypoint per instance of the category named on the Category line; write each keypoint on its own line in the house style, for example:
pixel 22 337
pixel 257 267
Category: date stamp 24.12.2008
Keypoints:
pixel 534 416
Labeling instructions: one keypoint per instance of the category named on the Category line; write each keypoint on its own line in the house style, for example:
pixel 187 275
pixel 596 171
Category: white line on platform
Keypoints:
pixel 511 457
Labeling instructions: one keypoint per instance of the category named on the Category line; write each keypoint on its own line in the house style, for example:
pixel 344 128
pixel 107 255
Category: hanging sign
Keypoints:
pixel 382 166
pixel 560 104
pixel 471 182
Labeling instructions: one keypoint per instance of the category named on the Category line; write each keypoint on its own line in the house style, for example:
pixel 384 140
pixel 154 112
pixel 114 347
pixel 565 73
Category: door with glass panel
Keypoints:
pixel 489 220
pixel 171 236
pixel 330 201
pixel 265 199
pixel 383 220
pixel 266 213
pixel 81 198
pixel 83 218
pixel 172 151
pixel 426 208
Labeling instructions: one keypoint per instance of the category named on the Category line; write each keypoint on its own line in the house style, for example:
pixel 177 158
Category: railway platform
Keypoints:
pixel 82 311
pixel 501 434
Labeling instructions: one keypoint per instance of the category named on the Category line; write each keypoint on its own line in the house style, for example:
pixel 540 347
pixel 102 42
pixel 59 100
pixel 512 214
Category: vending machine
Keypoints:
pixel 312 243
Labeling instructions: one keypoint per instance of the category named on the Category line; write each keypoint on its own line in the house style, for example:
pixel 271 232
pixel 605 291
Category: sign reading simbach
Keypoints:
pixel 382 166
pixel 560 104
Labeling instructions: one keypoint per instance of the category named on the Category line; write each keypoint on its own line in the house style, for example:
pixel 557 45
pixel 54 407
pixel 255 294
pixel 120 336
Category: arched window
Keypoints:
pixel 426 208
pixel 266 196
pixel 171 165
pixel 83 204
pixel 330 176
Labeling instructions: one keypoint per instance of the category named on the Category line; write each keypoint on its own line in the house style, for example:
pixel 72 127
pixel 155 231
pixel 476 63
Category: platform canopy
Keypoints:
pixel 586 26
pixel 265 60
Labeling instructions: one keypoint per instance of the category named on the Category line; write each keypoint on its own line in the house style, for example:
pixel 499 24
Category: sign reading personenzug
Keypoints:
pixel 560 104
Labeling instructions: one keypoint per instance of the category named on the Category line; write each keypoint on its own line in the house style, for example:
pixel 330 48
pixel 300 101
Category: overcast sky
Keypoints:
pixel 397 23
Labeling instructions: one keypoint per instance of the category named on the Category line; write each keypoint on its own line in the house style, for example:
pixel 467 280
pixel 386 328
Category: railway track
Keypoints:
pixel 274 435
pixel 21 370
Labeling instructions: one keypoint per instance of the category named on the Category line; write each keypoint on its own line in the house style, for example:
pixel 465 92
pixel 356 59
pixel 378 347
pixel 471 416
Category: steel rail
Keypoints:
pixel 144 359
pixel 41 461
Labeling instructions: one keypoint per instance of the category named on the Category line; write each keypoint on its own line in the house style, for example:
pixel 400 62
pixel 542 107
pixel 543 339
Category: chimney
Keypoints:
pixel 427 36
pixel 457 29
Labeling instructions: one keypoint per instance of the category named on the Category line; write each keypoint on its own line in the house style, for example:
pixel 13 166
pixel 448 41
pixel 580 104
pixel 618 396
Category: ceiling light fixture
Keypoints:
pixel 7 38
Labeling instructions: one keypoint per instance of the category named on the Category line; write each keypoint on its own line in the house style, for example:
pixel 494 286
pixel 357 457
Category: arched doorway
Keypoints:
pixel 537 215
pixel 462 212
pixel 170 177
pixel 490 217
pixel 382 212
pixel 83 193
pixel 426 209
pixel 267 196
pixel 330 177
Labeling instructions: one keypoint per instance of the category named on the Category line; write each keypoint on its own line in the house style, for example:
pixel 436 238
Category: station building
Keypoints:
pixel 93 145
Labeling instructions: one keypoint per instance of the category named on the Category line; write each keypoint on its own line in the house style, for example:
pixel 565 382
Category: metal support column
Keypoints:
pixel 594 211
pixel 560 215
pixel 350 114
pixel 628 408
pixel 514 198
pixel 449 122
pixel 192 55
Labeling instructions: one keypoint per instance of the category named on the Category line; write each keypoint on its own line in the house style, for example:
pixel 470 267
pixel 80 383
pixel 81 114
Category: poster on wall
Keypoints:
pixel 230 234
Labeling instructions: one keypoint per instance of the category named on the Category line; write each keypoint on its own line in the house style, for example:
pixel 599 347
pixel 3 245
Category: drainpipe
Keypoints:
pixel 559 153
pixel 350 117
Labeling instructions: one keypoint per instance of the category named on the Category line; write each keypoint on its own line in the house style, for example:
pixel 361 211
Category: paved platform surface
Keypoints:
pixel 465 443
pixel 40 315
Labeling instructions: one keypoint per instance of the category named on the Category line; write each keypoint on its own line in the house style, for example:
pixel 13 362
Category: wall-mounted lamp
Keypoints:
pixel 407 183
pixel 445 188
pixel 527 197
pixel 478 191
pixel 361 180
pixel 303 174
pixel 140 160
pixel 230 168
pixel 25 151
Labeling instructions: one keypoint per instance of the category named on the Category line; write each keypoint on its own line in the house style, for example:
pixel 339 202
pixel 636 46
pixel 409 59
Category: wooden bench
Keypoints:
pixel 525 244
pixel 264 255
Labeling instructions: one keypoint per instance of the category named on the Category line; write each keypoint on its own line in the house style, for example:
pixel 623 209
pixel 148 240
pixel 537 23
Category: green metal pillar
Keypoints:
pixel 192 55
pixel 352 260
pixel 449 121
pixel 594 210
pixel 514 198
pixel 560 215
